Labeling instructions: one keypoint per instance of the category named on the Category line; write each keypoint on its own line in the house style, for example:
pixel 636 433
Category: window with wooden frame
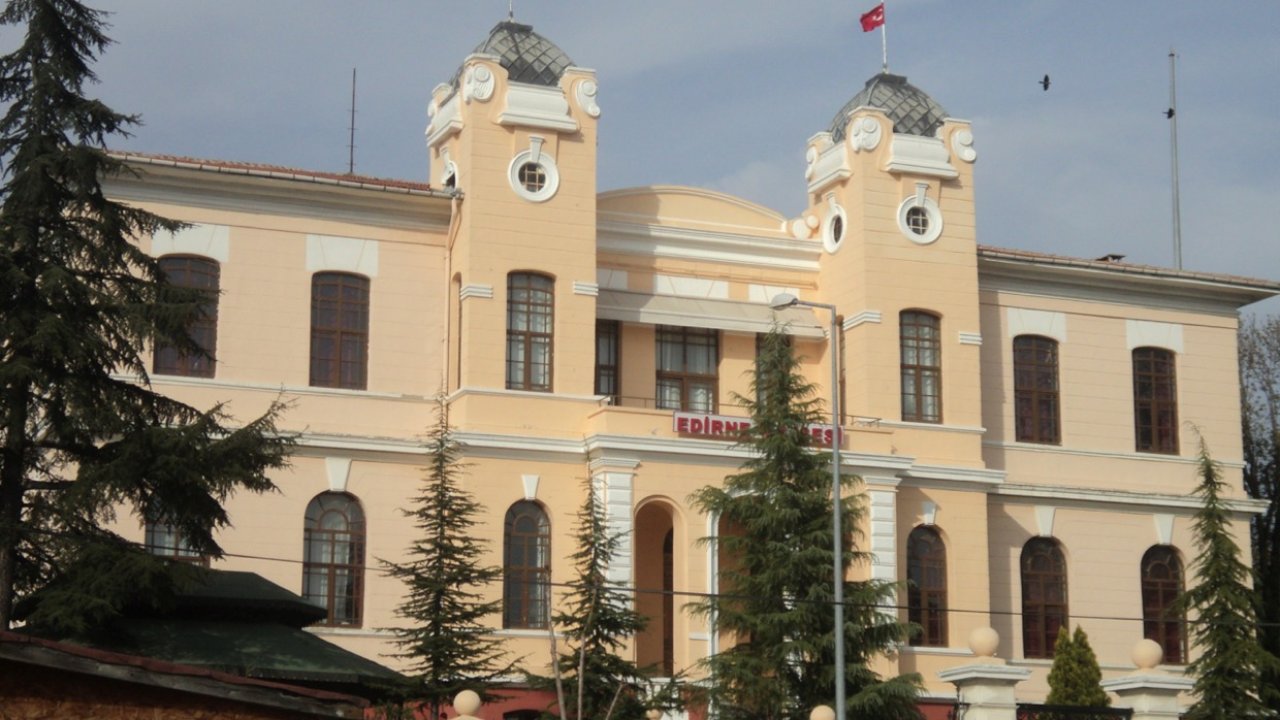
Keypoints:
pixel 688 361
pixel 526 555
pixel 1155 401
pixel 196 273
pixel 530 327
pixel 1044 597
pixel 921 353
pixel 1161 585
pixel 333 557
pixel 1035 389
pixel 608 370
pixel 339 330
pixel 164 539
pixel 927 586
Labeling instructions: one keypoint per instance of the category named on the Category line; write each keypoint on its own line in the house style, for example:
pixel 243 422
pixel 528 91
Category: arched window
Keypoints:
pixel 530 328
pixel 1035 389
pixel 339 330
pixel 1155 401
pixel 921 350
pixel 333 565
pixel 195 273
pixel 526 553
pixel 1161 585
pixel 1044 596
pixel 927 589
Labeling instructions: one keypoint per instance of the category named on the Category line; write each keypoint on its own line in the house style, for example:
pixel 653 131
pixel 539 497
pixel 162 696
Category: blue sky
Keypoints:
pixel 725 93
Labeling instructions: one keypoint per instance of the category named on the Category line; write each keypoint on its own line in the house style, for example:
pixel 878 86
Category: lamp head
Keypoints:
pixel 783 300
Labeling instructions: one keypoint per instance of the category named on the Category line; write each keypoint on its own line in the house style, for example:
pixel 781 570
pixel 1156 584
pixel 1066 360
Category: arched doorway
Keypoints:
pixel 655 559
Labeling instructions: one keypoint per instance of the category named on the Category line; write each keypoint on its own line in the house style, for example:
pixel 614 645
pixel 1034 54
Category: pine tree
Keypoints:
pixel 1075 678
pixel 777 597
pixel 597 621
pixel 447 643
pixel 81 430
pixel 1231 659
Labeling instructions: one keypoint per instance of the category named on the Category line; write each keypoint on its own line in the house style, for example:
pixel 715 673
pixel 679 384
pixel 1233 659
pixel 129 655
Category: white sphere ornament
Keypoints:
pixel 984 642
pixel 653 714
pixel 822 712
pixel 466 702
pixel 1147 654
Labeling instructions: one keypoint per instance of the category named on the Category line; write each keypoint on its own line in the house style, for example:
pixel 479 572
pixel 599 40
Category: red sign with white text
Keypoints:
pixel 731 428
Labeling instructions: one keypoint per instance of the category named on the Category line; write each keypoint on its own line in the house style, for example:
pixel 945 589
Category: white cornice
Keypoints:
pixel 281 194
pixel 1140 457
pixel 707 246
pixel 1085 282
pixel 1122 497
pixel 279 388
pixel 967 429
pixel 537 107
pixel 503 392
pixel 951 473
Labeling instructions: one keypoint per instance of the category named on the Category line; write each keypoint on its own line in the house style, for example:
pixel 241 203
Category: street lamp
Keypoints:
pixel 781 302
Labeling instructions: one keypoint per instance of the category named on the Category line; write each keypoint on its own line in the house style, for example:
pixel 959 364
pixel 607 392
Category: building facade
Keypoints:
pixel 1025 426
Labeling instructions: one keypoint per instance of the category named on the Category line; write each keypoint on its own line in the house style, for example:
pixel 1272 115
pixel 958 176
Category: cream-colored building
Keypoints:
pixel 1025 426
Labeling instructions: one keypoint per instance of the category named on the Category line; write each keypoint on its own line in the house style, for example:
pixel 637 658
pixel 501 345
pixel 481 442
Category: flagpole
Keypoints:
pixel 1173 151
pixel 884 41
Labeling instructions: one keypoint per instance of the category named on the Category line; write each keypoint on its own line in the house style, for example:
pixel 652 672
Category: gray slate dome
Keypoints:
pixel 526 56
pixel 912 111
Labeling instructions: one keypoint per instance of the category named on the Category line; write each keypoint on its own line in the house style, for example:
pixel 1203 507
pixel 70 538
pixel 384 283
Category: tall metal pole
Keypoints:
pixel 1173 142
pixel 351 146
pixel 837 540
pixel 786 300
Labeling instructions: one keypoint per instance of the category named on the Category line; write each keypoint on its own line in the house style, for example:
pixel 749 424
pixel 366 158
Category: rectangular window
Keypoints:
pixel 608 344
pixel 688 362
pixel 921 347
pixel 1155 401
pixel 530 324
pixel 1035 389
pixel 339 330
pixel 198 274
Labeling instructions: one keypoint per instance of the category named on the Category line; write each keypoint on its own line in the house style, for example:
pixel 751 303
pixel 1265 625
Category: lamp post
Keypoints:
pixel 780 302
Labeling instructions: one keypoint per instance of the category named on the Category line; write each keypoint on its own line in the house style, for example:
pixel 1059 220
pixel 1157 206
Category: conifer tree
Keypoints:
pixel 777 598
pixel 1075 678
pixel 597 619
pixel 81 430
pixel 446 643
pixel 1231 660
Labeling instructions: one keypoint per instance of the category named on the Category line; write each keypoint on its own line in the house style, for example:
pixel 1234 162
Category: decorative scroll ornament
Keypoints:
pixel 866 134
pixel 962 145
pixel 810 159
pixel 586 92
pixel 479 85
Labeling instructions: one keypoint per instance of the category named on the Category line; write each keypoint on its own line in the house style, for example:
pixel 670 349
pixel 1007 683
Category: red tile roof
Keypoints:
pixel 994 253
pixel 280 172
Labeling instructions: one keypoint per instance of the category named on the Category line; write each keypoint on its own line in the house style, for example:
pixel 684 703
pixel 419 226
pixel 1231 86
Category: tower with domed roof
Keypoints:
pixel 514 133
pixel 890 186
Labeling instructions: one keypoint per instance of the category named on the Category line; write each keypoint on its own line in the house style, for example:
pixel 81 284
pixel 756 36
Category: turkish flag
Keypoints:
pixel 873 19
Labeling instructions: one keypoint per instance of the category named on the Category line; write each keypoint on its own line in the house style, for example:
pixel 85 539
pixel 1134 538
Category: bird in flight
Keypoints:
pixel 1044 83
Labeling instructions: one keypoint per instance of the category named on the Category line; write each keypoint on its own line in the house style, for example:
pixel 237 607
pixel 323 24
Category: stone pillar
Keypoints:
pixel 614 480
pixel 987 685
pixel 1152 694
pixel 882 505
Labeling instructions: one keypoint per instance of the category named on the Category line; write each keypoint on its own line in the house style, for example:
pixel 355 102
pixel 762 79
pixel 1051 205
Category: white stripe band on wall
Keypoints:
pixel 211 241
pixel 344 254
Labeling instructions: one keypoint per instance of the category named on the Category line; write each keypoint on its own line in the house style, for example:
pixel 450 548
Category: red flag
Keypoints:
pixel 873 19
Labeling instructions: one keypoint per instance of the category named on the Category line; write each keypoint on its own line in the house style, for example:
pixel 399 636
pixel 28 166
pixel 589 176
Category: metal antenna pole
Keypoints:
pixel 351 145
pixel 1173 145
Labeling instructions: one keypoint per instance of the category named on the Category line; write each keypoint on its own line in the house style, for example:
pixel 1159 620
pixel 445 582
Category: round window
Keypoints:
pixel 920 220
pixel 533 177
pixel 534 180
pixel 833 228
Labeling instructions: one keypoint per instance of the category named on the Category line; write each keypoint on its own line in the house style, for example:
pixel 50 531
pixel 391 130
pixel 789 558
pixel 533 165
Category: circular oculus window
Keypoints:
pixel 533 181
pixel 834 229
pixel 920 220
